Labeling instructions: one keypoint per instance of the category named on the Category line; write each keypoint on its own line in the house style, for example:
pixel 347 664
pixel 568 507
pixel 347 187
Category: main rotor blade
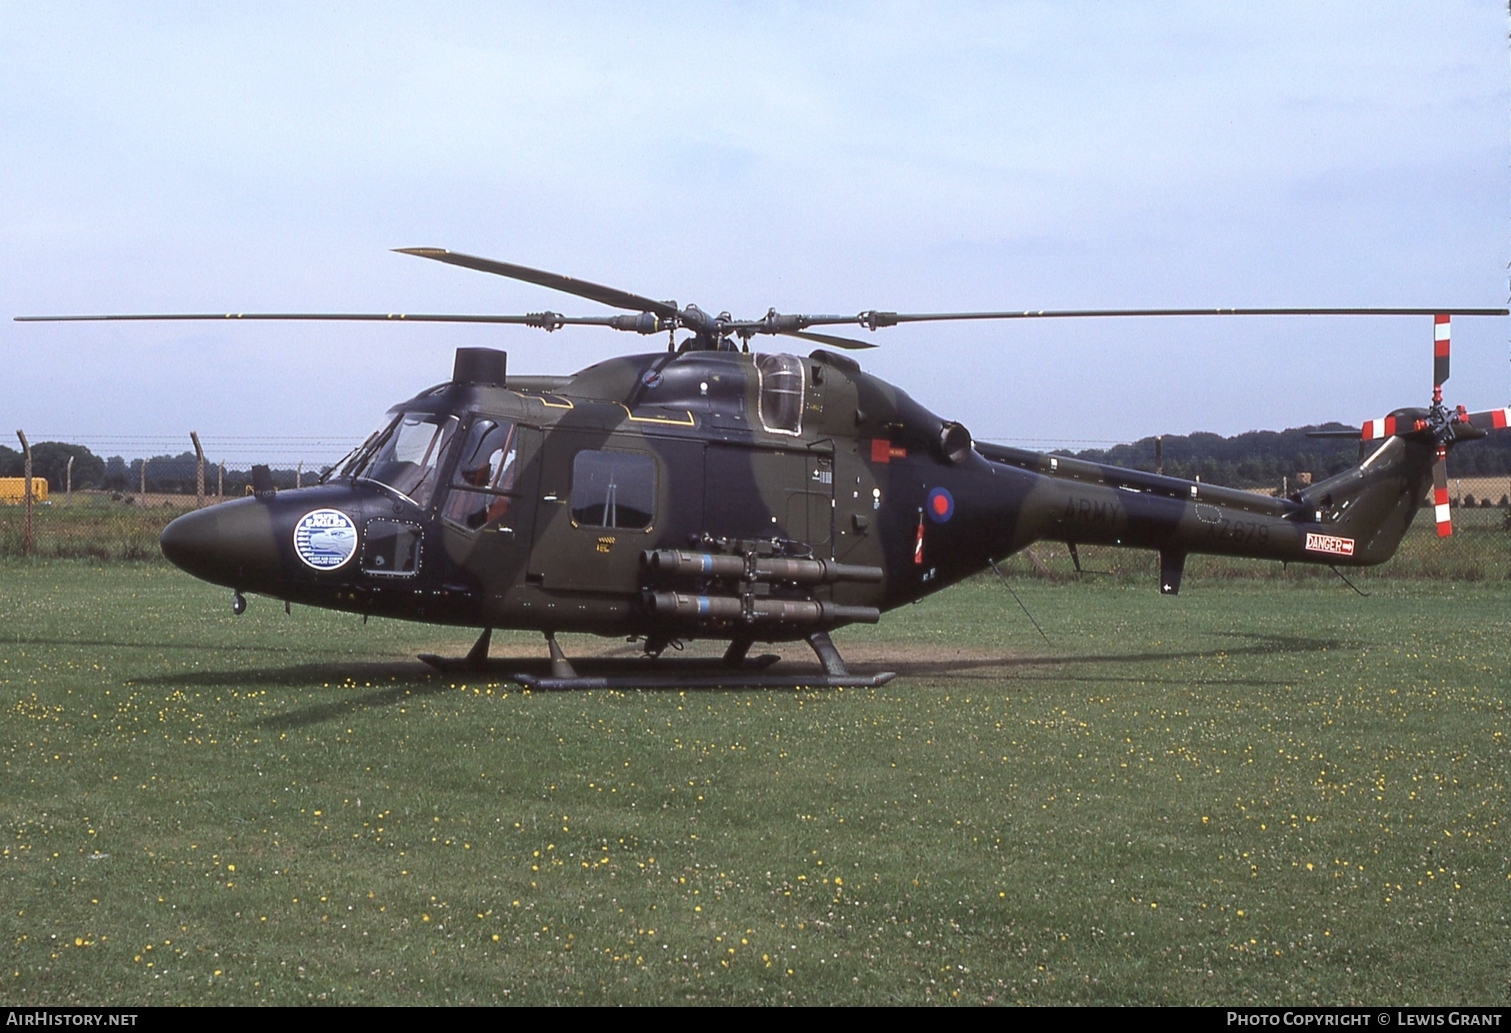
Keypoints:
pixel 555 281
pixel 872 319
pixel 829 339
pixel 547 320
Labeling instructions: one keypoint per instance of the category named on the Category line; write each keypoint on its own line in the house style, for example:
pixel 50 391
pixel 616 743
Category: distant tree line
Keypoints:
pixel 166 474
pixel 1257 459
pixel 49 459
pixel 1261 458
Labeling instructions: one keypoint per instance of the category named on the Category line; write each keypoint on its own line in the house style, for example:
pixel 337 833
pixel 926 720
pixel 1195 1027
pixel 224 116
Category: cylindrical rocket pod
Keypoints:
pixel 765 609
pixel 680 563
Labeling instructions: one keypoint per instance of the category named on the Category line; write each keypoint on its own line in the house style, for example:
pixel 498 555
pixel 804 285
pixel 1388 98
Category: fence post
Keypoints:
pixel 1159 454
pixel 299 475
pixel 143 491
pixel 199 470
pixel 220 482
pixel 68 478
pixel 26 522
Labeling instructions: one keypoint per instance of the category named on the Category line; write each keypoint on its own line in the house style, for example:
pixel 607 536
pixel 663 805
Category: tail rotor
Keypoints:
pixel 1438 425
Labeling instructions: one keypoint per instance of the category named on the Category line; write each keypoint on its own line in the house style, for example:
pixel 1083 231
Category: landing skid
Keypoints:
pixel 732 680
pixel 734 671
pixel 508 667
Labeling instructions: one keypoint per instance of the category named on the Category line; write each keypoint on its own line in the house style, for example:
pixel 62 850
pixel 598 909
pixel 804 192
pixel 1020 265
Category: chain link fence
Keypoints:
pixel 91 525
pixel 88 506
pixel 122 521
pixel 115 526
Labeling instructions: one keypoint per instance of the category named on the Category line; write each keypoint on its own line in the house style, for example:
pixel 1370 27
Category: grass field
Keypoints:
pixel 93 525
pixel 1272 792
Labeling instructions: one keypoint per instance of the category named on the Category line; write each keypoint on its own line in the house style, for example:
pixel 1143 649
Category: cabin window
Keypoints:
pixel 411 455
pixel 614 489
pixel 781 393
pixel 485 473
pixel 391 548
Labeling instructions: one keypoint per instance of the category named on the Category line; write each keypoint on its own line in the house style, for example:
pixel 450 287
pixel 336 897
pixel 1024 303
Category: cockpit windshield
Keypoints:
pixel 409 455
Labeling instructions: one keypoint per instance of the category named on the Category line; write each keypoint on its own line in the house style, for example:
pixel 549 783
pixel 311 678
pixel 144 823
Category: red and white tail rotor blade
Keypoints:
pixel 1387 426
pixel 1490 419
pixel 1440 336
pixel 1440 493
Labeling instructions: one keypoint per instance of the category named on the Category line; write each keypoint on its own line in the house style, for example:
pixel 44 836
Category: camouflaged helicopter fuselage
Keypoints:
pixel 864 476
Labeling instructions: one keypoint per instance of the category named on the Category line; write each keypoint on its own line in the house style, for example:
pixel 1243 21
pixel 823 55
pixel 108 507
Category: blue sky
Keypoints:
pixel 814 158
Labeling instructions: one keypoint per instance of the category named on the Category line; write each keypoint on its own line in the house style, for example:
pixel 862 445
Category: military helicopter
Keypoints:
pixel 711 492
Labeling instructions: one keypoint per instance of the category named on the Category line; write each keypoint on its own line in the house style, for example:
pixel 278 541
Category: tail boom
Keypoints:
pixel 1354 519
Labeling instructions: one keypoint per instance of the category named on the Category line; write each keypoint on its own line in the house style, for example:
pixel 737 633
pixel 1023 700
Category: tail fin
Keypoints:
pixel 1375 502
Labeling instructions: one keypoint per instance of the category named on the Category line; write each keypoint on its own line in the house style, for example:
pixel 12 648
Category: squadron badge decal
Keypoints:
pixel 325 538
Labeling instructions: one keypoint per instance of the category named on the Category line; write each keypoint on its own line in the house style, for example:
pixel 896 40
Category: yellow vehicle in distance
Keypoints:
pixel 13 490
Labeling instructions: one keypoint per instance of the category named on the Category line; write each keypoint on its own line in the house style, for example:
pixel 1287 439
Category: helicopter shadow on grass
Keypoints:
pixel 104 643
pixel 386 683
pixel 391 683
pixel 338 708
pixel 330 674
pixel 408 684
pixel 1067 668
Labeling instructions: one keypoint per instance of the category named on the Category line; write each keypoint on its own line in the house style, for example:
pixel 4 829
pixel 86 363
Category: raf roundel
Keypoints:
pixel 325 538
pixel 941 505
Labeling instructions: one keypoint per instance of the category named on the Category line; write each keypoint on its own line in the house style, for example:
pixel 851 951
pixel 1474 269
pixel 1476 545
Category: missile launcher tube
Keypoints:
pixel 681 563
pixel 765 609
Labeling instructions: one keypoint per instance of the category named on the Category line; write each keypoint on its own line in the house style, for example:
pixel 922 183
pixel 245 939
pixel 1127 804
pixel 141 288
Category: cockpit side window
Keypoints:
pixel 485 474
pixel 781 393
pixel 410 457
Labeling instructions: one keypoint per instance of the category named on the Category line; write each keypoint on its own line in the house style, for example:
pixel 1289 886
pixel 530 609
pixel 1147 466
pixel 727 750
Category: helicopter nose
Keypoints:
pixel 231 544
